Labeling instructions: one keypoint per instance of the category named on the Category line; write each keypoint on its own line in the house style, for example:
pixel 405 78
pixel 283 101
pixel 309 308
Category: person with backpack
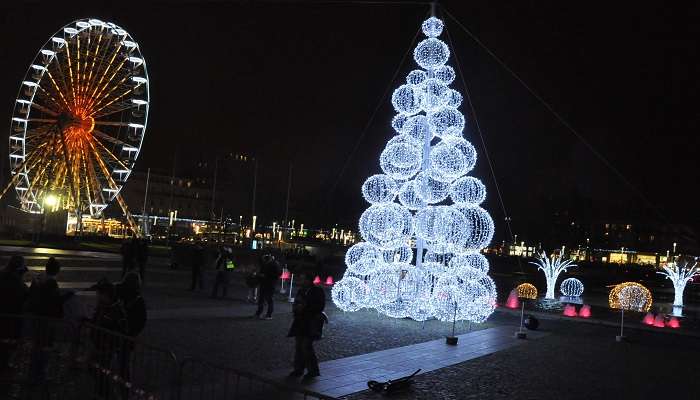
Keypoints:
pixel 267 278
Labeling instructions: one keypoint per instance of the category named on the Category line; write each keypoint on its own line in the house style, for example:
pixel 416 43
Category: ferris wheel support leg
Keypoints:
pixel 129 217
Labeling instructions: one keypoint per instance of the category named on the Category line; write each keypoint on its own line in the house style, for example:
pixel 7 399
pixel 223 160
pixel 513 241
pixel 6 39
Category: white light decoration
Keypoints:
pixel 552 267
pixel 680 274
pixel 406 100
pixel 432 27
pixel 467 191
pixel 379 189
pixel 571 287
pixel 424 229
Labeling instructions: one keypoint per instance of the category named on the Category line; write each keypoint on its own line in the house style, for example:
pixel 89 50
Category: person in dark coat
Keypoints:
pixel 142 258
pixel 129 292
pixel 269 272
pixel 307 326
pixel 13 294
pixel 197 265
pixel 222 280
pixel 128 251
pixel 45 297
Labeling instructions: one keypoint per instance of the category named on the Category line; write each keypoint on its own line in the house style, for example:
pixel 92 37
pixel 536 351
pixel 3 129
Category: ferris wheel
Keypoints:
pixel 79 120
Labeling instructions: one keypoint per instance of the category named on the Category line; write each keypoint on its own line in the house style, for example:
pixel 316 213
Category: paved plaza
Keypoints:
pixel 582 358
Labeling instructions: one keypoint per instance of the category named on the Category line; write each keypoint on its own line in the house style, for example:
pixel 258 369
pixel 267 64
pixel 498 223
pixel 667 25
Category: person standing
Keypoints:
pixel 127 251
pixel 197 264
pixel 307 326
pixel 45 297
pixel 13 294
pixel 269 271
pixel 224 266
pixel 142 258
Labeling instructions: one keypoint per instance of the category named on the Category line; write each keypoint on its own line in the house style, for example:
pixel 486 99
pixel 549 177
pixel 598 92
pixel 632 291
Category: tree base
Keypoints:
pixel 620 338
pixel 521 335
pixel 451 340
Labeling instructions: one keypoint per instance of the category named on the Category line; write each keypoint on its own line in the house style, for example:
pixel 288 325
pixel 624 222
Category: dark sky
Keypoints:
pixel 298 81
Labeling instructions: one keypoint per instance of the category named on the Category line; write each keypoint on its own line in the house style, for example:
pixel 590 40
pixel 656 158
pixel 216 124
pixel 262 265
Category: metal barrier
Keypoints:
pixel 43 358
pixel 204 381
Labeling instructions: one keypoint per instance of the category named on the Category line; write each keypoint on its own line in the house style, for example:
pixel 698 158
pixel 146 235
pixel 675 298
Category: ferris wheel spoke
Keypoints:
pixel 88 80
pixel 44 109
pixel 43 93
pixel 62 76
pixel 116 108
pixel 110 138
pixel 114 157
pixel 105 97
pixel 96 94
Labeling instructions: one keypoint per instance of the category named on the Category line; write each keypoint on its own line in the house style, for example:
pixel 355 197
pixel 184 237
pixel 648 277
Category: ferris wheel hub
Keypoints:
pixel 69 121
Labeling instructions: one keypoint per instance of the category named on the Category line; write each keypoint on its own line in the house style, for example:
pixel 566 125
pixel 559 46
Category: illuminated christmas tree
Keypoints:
pixel 680 274
pixel 424 228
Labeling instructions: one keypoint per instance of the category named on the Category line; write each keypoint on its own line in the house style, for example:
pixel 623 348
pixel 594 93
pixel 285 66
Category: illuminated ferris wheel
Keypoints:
pixel 79 120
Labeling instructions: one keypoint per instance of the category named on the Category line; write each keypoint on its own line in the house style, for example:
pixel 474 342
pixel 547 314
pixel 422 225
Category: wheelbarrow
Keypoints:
pixel 393 385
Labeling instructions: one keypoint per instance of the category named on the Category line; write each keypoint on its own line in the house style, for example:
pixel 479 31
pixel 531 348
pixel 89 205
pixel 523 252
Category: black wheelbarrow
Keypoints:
pixel 393 385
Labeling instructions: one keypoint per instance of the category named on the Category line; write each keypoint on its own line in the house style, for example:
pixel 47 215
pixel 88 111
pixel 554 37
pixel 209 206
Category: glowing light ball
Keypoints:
pixel 416 77
pixel 447 163
pixel 478 298
pixel 400 161
pixel 467 191
pixel 431 53
pixel 408 196
pixel 454 99
pixel 630 296
pixel 317 280
pixel 431 190
pixel 465 147
pixel 480 227
pixel 475 261
pixel 350 293
pixel 405 100
pixel 570 310
pixel 398 122
pixel 418 129
pixel 432 27
pixel 571 287
pixel 379 189
pixel 648 319
pixel 526 291
pixel 401 254
pixel 585 311
pixel 433 95
pixel 444 74
pixel 362 252
pixel 386 226
pixel 446 120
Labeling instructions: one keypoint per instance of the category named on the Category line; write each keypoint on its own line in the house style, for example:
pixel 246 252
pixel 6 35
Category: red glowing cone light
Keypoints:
pixel 570 311
pixel 329 281
pixel 512 301
pixel 317 280
pixel 585 311
pixel 648 319
pixel 673 323
pixel 659 321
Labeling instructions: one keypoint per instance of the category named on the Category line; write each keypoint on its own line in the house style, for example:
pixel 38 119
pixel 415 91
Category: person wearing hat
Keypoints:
pixel 13 294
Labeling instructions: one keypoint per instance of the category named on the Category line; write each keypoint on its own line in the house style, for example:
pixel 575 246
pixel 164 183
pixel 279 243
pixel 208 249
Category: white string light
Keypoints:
pixel 571 287
pixel 552 267
pixel 680 274
pixel 449 281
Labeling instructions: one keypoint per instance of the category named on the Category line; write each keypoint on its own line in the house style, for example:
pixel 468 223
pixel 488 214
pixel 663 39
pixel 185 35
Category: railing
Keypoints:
pixel 56 359
pixel 204 381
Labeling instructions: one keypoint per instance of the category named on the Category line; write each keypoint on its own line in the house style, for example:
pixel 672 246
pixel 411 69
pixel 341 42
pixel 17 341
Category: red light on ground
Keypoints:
pixel 648 319
pixel 585 311
pixel 329 281
pixel 512 301
pixel 317 280
pixel 570 311
pixel 659 321
pixel 673 323
pixel 285 275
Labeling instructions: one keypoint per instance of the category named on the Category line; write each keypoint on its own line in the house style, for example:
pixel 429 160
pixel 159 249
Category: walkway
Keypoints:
pixel 350 375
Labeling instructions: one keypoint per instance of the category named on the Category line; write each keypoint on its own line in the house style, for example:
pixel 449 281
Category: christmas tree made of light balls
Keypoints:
pixel 424 229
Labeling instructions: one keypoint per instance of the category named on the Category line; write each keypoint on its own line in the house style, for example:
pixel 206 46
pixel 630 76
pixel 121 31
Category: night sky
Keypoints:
pixel 298 81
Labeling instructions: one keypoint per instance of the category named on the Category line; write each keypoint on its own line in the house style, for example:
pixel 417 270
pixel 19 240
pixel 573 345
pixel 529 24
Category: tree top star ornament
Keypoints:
pixel 424 227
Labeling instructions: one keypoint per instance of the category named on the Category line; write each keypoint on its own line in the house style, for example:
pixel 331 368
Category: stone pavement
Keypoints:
pixel 349 375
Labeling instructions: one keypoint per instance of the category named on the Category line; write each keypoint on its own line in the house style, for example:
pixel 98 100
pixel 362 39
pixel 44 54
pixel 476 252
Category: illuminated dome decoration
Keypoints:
pixel 424 230
pixel 79 120
pixel 526 291
pixel 571 287
pixel 630 296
